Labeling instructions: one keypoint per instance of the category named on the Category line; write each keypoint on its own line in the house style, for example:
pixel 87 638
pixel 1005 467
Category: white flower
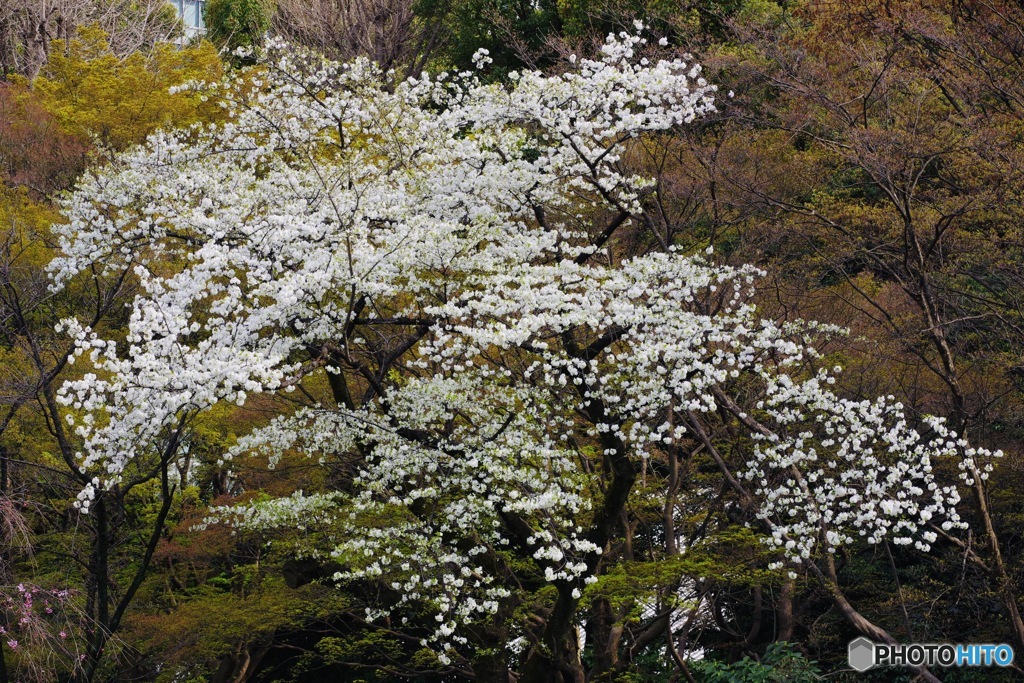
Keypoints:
pixel 328 199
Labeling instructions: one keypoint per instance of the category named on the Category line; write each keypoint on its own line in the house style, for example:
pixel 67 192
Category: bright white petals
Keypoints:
pixel 327 198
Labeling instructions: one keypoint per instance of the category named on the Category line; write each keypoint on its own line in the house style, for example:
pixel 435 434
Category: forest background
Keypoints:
pixel 868 158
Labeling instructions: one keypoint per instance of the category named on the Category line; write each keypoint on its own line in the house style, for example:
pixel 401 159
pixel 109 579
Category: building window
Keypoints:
pixel 191 12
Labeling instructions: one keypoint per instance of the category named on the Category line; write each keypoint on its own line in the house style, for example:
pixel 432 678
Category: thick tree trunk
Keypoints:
pixel 556 659
pixel 490 664
pixel 241 664
pixel 492 667
pixel 603 637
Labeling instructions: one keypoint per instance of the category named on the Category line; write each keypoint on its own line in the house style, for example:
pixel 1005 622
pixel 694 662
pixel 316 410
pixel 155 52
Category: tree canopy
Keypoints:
pixel 498 381
pixel 517 344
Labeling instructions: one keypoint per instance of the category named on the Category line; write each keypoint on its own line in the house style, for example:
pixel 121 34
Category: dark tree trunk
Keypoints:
pixel 785 611
pixel 556 659
pixel 3 666
pixel 603 637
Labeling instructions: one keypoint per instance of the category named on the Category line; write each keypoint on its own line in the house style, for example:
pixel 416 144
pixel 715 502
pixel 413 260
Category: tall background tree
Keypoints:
pixel 28 28
pixel 86 103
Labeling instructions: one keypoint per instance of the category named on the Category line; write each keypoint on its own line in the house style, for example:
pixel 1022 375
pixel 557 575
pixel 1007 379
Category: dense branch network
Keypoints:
pixel 435 246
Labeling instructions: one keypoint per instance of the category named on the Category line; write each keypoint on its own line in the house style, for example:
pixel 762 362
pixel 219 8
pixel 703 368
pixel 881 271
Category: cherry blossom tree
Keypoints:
pixel 441 256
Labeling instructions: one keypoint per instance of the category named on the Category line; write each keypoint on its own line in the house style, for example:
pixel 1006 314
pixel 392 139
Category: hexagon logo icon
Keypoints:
pixel 861 654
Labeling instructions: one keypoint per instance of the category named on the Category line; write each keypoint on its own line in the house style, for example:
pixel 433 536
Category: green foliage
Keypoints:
pixel 519 34
pixel 234 24
pixel 758 12
pixel 781 663
pixel 734 556
pixel 94 94
pixel 358 648
pixel 509 29
pixel 217 619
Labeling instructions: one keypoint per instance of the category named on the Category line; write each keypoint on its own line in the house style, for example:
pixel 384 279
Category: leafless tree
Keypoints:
pixel 29 27
pixel 386 31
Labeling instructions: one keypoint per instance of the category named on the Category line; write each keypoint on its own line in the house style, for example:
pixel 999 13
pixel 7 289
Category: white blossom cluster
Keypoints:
pixel 668 352
pixel 417 504
pixel 830 470
pixel 297 511
pixel 327 205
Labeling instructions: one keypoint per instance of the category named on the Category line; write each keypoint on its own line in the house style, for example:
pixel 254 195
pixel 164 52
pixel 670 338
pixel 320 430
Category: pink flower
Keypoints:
pixel 13 644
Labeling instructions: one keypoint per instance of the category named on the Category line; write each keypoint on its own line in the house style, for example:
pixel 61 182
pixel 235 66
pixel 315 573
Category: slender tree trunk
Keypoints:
pixel 4 486
pixel 100 617
pixel 3 665
pixel 755 624
pixel 858 620
pixel 237 666
pixel 1007 588
pixel 785 611
pixel 1006 585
